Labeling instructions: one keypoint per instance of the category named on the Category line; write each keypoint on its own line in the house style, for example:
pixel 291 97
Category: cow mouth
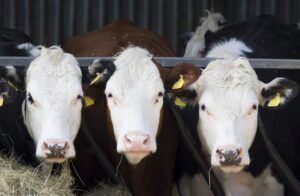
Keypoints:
pixel 135 157
pixel 55 160
pixel 231 168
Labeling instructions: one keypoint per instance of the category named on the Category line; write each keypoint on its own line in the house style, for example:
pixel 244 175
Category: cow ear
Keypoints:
pixel 278 93
pixel 180 84
pixel 13 76
pixel 100 71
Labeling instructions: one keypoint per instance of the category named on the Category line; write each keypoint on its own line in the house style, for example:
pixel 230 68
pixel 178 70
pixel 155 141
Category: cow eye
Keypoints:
pixel 80 97
pixel 202 107
pixel 160 94
pixel 109 95
pixel 254 107
pixel 29 98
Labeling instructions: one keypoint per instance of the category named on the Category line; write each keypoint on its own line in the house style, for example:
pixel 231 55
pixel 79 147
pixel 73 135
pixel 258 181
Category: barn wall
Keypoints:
pixel 55 21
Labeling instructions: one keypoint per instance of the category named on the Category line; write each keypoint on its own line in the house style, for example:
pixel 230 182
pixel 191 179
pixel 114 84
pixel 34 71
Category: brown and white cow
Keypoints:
pixel 52 107
pixel 128 116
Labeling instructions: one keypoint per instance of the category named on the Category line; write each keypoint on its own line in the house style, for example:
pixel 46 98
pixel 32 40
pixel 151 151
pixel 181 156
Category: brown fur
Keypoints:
pixel 154 174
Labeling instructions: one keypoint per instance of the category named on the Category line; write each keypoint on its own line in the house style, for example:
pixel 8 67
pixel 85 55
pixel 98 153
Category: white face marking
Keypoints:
pixel 228 103
pixel 135 98
pixel 232 48
pixel 53 102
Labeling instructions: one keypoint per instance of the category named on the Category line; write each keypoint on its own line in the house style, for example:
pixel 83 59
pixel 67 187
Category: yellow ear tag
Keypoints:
pixel 275 101
pixel 179 83
pixel 1 101
pixel 88 101
pixel 12 85
pixel 179 102
pixel 96 79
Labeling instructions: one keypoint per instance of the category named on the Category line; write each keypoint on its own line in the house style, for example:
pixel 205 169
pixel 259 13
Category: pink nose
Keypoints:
pixel 137 142
pixel 54 148
pixel 229 155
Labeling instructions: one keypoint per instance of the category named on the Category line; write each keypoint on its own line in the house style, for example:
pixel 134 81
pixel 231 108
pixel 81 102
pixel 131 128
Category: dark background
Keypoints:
pixel 51 22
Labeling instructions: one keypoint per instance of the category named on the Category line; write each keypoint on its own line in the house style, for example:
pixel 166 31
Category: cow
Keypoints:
pixel 14 138
pixel 52 104
pixel 16 43
pixel 126 113
pixel 261 37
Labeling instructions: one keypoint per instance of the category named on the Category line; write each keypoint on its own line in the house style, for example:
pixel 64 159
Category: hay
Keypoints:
pixel 17 179
pixel 109 190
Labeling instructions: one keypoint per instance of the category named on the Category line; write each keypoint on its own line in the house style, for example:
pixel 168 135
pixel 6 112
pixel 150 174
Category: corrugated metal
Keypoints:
pixel 55 21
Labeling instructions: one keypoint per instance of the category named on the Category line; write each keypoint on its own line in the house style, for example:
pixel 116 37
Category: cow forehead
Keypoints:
pixel 53 63
pixel 135 71
pixel 53 73
pixel 229 74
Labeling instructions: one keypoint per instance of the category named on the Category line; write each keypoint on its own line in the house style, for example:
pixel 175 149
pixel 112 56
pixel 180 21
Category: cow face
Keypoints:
pixel 228 94
pixel 134 95
pixel 52 108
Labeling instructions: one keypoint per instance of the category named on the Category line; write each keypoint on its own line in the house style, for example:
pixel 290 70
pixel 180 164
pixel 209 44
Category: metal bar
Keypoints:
pixel 172 61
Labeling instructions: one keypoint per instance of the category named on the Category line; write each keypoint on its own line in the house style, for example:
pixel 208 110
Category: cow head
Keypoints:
pixel 10 84
pixel 52 107
pixel 135 94
pixel 229 94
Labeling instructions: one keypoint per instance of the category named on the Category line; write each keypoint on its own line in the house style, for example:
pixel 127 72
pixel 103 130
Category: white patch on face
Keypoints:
pixel 228 105
pixel 53 118
pixel 134 95
pixel 232 48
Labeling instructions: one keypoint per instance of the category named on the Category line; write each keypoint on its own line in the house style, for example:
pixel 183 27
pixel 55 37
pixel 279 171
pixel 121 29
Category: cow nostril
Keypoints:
pixel 127 139
pixel 239 151
pixel 145 142
pixel 218 151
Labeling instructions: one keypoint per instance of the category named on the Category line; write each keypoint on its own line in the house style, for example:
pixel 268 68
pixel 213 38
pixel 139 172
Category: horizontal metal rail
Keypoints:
pixel 172 61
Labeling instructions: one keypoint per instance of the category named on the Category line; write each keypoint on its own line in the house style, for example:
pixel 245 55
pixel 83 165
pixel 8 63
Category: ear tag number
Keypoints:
pixel 179 102
pixel 88 101
pixel 96 79
pixel 275 101
pixel 179 83
pixel 1 101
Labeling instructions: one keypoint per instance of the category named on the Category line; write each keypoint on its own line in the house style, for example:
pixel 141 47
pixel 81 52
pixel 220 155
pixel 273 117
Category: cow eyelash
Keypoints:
pixel 29 98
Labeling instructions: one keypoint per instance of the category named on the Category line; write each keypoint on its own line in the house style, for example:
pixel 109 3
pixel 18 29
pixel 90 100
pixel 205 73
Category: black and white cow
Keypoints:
pixel 14 138
pixel 261 37
pixel 16 43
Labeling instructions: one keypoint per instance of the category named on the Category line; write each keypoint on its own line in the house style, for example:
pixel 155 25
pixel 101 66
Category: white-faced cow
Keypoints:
pixel 126 114
pixel 52 107
pixel 229 94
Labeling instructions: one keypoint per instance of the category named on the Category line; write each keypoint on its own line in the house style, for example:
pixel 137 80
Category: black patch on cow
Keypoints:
pixel 105 67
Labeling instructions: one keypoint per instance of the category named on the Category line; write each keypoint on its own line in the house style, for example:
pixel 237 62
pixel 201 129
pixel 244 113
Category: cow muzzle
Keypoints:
pixel 230 158
pixel 55 150
pixel 136 146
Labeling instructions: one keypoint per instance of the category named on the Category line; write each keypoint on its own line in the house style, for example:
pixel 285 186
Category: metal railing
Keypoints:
pixel 171 61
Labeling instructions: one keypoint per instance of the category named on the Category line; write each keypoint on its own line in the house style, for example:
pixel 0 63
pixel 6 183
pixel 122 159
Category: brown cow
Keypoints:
pixel 128 116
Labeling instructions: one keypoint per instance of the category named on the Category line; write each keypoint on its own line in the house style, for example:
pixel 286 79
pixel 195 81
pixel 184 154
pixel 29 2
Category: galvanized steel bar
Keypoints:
pixel 172 61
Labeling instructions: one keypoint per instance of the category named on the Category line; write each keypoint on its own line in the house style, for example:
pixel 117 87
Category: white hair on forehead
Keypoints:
pixel 55 62
pixel 135 71
pixel 230 73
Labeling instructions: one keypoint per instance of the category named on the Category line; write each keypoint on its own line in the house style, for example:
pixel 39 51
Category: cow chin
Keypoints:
pixel 231 169
pixel 135 158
